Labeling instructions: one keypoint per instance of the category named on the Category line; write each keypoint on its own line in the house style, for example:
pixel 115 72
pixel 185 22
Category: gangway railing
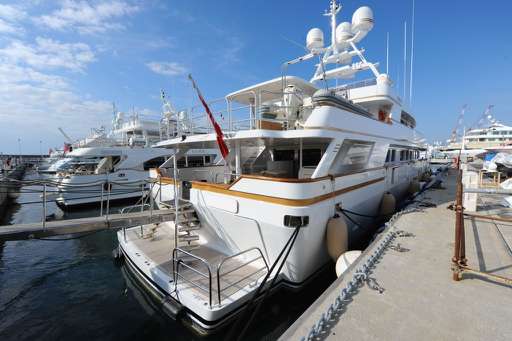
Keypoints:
pixel 105 195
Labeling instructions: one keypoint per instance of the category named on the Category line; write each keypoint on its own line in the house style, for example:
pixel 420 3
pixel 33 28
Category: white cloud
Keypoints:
pixel 9 19
pixel 167 68
pixel 48 53
pixel 6 27
pixel 88 18
pixel 46 101
pixel 231 52
pixel 11 13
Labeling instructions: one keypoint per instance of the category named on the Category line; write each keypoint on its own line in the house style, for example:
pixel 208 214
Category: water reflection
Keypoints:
pixel 63 290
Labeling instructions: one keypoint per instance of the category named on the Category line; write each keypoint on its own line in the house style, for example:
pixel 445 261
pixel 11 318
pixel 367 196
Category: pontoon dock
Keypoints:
pixel 420 300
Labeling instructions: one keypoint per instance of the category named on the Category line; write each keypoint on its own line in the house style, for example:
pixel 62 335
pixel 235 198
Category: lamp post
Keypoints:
pixel 19 149
pixel 40 152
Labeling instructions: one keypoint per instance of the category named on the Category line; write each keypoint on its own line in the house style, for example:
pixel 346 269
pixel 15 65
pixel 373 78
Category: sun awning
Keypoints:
pixel 270 90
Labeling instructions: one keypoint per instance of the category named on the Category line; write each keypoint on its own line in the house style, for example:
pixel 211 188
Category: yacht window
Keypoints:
pixel 194 161
pixel 388 156
pixel 153 163
pixel 393 155
pixel 283 155
pixel 106 164
pixel 311 157
pixel 402 155
pixel 353 156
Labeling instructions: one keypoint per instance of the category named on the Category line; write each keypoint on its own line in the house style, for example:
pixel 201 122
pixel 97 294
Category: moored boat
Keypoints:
pixel 301 153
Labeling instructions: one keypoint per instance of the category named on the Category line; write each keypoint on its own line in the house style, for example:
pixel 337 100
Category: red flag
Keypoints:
pixel 220 136
pixel 67 148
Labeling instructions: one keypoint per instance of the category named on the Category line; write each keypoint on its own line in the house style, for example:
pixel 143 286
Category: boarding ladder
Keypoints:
pixel 186 225
pixel 186 220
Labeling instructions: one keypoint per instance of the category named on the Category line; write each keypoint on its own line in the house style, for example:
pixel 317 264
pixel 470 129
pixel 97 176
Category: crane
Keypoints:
pixel 456 130
pixel 66 136
pixel 486 116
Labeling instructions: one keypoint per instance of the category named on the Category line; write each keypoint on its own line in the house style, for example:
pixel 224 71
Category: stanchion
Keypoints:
pixel 44 206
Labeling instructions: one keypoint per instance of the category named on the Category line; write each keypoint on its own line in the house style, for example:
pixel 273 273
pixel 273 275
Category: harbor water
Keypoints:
pixel 72 289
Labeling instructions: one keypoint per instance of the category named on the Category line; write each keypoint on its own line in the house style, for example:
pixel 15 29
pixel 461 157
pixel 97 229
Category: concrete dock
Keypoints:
pixel 418 298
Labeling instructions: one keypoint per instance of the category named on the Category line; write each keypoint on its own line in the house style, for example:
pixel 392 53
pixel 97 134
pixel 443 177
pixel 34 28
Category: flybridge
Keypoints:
pixel 343 46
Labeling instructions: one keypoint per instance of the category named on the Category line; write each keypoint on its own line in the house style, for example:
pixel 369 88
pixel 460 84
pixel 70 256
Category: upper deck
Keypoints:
pixel 281 107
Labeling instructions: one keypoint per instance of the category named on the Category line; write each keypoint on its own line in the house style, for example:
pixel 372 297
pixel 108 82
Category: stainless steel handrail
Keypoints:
pixel 241 280
pixel 180 261
pixel 219 266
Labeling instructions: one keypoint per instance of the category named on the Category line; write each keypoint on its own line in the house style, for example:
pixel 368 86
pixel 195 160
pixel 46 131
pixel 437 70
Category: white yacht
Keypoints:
pixel 488 135
pixel 492 137
pixel 117 161
pixel 300 153
pixel 48 165
pixel 91 174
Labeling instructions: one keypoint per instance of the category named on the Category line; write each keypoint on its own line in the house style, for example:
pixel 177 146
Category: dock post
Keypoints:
pixel 44 205
pixel 459 254
pixel 101 203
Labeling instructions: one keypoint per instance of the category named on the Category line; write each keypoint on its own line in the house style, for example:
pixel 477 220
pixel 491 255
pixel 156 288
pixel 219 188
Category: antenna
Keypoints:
pixel 387 53
pixel 333 10
pixel 412 53
pixel 295 43
pixel 405 59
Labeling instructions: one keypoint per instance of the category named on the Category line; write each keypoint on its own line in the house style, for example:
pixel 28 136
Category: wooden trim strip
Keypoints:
pixel 275 179
pixel 281 201
pixel 167 180
pixel 306 180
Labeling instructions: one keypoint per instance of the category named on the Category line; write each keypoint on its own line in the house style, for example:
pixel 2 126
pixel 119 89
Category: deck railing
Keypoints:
pixel 230 115
pixel 204 270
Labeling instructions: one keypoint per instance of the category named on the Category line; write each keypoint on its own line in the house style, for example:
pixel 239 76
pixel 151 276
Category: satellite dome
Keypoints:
pixel 315 39
pixel 362 20
pixel 344 32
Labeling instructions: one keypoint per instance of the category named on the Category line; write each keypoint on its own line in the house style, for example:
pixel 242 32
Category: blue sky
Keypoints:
pixel 62 63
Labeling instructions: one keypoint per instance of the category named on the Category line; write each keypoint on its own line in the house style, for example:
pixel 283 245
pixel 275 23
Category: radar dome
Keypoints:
pixel 315 39
pixel 362 20
pixel 344 32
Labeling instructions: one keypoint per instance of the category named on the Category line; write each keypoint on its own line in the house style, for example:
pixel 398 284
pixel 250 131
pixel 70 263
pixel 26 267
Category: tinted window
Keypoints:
pixel 352 156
